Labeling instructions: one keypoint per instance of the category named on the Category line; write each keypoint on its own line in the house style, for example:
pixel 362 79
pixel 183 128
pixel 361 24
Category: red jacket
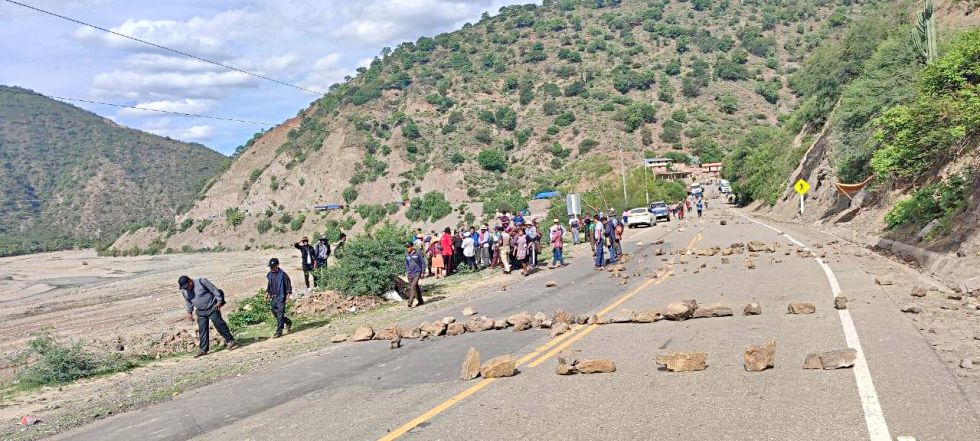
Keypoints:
pixel 447 244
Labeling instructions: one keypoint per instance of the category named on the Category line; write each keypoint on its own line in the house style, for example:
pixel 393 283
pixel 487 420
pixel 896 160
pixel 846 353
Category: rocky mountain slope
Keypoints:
pixel 533 98
pixel 72 178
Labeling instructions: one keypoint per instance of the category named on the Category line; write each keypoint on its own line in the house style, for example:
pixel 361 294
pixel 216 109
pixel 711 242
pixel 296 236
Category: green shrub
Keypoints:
pixel 432 206
pixel 368 263
pixel 506 118
pixel 185 224
pixel 58 362
pixel 586 145
pixel 202 224
pixel 565 118
pixel 492 160
pixel 263 226
pixel 297 222
pixel 728 103
pixel 350 194
pixel 251 310
pixel 234 217
pixel 941 200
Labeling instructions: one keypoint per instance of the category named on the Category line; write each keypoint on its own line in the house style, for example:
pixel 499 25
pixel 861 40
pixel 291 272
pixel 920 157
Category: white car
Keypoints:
pixel 640 216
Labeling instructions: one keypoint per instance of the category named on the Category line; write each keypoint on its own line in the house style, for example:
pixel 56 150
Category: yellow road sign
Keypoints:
pixel 801 187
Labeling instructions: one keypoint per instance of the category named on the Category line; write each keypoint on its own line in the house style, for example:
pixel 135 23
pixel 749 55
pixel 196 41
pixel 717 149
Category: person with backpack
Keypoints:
pixel 573 224
pixel 277 291
pixel 202 296
pixel 307 257
pixel 609 234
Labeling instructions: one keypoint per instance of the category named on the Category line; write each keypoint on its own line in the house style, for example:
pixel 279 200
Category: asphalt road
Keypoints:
pixel 366 391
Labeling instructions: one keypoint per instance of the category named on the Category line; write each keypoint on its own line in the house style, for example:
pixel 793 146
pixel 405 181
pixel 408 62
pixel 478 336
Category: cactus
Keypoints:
pixel 924 35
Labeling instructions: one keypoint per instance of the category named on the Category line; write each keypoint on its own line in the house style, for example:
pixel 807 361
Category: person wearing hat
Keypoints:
pixel 277 292
pixel 307 256
pixel 201 295
pixel 322 250
pixel 415 270
pixel 533 242
pixel 557 238
pixel 485 237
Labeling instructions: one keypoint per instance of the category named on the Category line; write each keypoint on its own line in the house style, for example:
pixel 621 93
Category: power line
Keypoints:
pixel 165 48
pixel 26 92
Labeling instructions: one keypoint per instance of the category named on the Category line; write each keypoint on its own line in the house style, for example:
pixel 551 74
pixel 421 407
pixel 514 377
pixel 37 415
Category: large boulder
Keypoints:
pixel 564 317
pixel 559 328
pixel 388 333
pixel 471 365
pixel 502 366
pixel 455 329
pixel 681 310
pixel 760 358
pixel 519 317
pixel 683 361
pixel 411 332
pixel 752 309
pixel 364 333
pixel 716 310
pixel 434 329
pixel 478 324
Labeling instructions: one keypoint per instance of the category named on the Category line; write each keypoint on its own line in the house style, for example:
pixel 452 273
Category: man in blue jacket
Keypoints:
pixel 201 295
pixel 415 270
pixel 277 292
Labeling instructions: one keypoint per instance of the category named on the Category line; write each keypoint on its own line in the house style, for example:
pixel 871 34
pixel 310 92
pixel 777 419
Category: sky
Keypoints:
pixel 308 43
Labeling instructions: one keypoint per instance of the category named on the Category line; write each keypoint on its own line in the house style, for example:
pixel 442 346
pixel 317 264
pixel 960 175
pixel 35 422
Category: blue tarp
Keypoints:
pixel 547 195
pixel 328 207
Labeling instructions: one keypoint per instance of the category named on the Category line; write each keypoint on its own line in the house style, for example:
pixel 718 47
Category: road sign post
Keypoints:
pixel 801 188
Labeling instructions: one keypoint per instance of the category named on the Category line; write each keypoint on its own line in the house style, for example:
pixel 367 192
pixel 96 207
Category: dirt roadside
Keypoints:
pixel 81 298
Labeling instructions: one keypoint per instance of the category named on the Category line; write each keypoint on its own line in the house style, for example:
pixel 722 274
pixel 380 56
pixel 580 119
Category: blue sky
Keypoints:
pixel 305 42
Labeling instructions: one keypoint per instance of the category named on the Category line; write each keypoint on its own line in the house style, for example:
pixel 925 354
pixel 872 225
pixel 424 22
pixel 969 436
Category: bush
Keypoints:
pixel 251 310
pixel 492 160
pixel 297 222
pixel 728 103
pixel 565 118
pixel 57 362
pixel 586 145
pixel 202 224
pixel 638 114
pixel 350 194
pixel 671 131
pixel 368 263
pixel 185 224
pixel 506 118
pixel 432 206
pixel 941 200
pixel 263 226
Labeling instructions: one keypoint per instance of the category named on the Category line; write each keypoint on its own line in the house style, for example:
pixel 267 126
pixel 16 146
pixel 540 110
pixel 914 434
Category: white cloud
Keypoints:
pixel 130 84
pixel 187 105
pixel 326 71
pixel 157 62
pixel 197 133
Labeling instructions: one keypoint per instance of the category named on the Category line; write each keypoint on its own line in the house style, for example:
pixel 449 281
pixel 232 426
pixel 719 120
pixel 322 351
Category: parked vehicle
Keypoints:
pixel 659 210
pixel 640 216
pixel 696 189
pixel 724 186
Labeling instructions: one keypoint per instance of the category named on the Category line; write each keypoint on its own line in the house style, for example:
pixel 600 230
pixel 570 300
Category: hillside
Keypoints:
pixel 533 98
pixel 72 178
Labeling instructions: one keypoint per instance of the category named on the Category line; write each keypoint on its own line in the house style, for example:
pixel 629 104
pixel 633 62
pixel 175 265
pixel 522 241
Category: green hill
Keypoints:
pixel 72 178
pixel 537 97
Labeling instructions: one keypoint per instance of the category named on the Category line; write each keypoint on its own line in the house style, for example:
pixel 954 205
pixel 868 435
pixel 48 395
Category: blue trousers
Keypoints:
pixel 612 253
pixel 598 255
pixel 556 256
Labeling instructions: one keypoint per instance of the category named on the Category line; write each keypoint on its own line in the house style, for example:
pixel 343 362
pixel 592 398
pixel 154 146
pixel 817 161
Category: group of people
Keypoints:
pixel 692 202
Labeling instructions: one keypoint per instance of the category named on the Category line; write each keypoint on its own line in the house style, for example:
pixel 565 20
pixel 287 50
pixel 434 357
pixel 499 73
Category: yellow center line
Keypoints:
pixel 566 340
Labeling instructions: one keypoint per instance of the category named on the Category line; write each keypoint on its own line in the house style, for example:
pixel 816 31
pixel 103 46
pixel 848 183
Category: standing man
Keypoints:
pixel 307 256
pixel 598 238
pixel 277 292
pixel 573 223
pixel 201 295
pixel 700 207
pixel 609 233
pixel 556 237
pixel 504 249
pixel 533 237
pixel 322 250
pixel 414 269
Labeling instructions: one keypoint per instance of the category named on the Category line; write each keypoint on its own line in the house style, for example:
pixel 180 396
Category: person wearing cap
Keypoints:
pixel 609 223
pixel 415 270
pixel 202 296
pixel 557 239
pixel 484 242
pixel 573 224
pixel 503 249
pixel 322 250
pixel 469 248
pixel 277 292
pixel 307 256
pixel 599 237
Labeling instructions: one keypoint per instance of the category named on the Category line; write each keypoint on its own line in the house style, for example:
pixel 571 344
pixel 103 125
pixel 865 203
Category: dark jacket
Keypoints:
pixel 308 254
pixel 414 263
pixel 322 250
pixel 278 285
pixel 204 297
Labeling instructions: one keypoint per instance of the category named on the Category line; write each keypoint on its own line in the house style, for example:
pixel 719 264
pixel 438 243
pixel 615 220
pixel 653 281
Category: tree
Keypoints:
pixel 368 263
pixel 492 160
pixel 350 194
pixel 411 130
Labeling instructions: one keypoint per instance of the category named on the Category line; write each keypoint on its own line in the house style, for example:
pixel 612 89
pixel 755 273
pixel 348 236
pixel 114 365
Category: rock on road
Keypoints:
pixel 366 391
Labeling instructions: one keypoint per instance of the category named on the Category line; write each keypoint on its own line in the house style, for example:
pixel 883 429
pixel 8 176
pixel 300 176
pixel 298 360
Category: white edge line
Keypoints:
pixel 873 416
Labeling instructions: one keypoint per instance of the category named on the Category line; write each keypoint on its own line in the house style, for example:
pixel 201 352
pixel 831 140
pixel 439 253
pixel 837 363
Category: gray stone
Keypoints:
pixel 752 309
pixel 469 310
pixel 683 361
pixel 836 359
pixel 966 363
pixel 559 329
pixel 681 310
pixel 840 302
pixel 912 309
pixel 595 366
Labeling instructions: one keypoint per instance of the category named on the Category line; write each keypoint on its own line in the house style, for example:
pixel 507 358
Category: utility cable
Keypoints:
pixel 166 48
pixel 245 121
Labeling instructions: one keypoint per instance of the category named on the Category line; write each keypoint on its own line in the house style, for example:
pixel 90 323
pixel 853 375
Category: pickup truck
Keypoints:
pixel 696 189
pixel 659 210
